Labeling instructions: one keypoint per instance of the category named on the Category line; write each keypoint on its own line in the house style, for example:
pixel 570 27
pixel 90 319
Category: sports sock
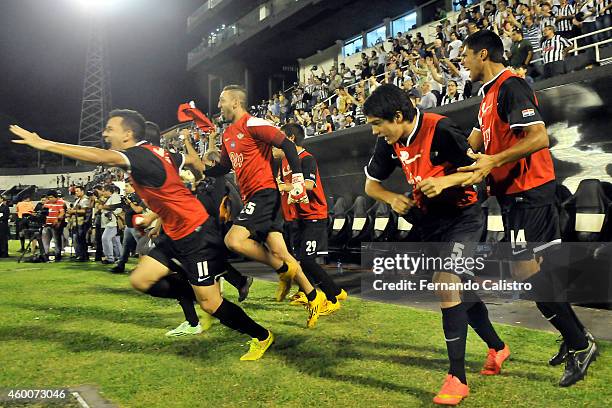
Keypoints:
pixel 189 311
pixel 572 313
pixel 559 316
pixel 478 319
pixel 172 287
pixel 454 322
pixel 284 268
pixel 312 295
pixel 326 283
pixel 232 316
pixel 233 276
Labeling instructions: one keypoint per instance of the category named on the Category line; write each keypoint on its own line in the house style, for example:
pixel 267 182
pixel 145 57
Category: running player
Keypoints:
pixel 310 231
pixel 428 148
pixel 518 167
pixel 247 149
pixel 189 234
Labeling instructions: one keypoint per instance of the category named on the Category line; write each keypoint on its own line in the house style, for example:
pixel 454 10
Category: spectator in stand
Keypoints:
pixel 349 122
pixel 521 51
pixel 522 72
pixel 329 124
pixel 604 18
pixel 546 16
pixel 451 94
pixel 454 46
pixel 554 49
pixel 428 100
pixel 586 19
pixel 338 118
pixel 563 21
pixel 54 224
pixel 533 34
pixel 413 93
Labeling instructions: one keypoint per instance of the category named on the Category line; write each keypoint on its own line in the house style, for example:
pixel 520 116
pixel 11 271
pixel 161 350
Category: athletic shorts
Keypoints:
pixel 454 237
pixel 200 254
pixel 530 230
pixel 311 239
pixel 261 214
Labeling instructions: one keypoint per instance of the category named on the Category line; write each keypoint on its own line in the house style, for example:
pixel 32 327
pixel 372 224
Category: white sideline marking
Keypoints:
pixel 80 400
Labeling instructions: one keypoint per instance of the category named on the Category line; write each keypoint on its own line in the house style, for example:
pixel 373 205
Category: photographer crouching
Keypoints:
pixel 132 205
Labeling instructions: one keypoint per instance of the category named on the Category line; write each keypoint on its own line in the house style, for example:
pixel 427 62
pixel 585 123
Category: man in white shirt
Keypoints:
pixel 454 46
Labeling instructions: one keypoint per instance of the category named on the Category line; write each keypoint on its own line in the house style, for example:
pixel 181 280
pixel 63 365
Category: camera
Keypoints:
pixel 314 68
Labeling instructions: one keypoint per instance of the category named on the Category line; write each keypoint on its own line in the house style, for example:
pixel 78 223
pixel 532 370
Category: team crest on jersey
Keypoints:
pixel 404 157
pixel 240 136
pixel 233 145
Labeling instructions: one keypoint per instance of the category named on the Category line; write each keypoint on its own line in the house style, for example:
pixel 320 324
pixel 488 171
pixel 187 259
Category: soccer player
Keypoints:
pixel 189 234
pixel 311 221
pixel 247 149
pixel 519 170
pixel 428 148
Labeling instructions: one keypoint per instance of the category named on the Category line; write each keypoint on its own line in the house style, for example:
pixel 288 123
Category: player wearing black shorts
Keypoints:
pixel 189 235
pixel 310 232
pixel 247 149
pixel 519 170
pixel 428 148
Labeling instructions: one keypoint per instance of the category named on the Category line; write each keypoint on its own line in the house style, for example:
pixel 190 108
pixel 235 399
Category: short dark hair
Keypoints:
pixel 109 187
pixel 486 40
pixel 131 120
pixel 386 101
pixel 295 130
pixel 152 133
pixel 79 187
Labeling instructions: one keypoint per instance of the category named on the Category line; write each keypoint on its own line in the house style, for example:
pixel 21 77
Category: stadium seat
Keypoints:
pixel 404 230
pixel 494 223
pixel 589 212
pixel 385 222
pixel 341 224
pixel 362 224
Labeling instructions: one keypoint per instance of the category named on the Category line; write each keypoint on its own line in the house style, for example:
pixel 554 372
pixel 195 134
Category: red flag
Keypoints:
pixel 188 112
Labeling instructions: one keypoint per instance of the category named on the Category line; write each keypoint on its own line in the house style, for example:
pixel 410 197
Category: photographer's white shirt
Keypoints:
pixel 112 222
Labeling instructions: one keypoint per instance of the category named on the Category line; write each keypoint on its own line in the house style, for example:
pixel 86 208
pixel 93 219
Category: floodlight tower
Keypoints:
pixel 96 100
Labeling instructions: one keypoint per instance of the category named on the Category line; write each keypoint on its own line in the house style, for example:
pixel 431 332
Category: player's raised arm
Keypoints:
pixel 82 153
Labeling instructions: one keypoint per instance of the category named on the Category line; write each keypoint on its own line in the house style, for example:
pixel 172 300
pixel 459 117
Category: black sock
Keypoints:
pixel 559 316
pixel 22 240
pixel 326 283
pixel 454 322
pixel 232 316
pixel 312 295
pixel 233 276
pixel 478 319
pixel 172 287
pixel 572 313
pixel 283 268
pixel 189 311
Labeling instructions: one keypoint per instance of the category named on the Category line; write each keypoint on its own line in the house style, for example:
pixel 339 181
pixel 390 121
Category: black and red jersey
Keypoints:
pixel 247 148
pixel 508 106
pixel 154 174
pixel 435 148
pixel 316 208
pixel 289 211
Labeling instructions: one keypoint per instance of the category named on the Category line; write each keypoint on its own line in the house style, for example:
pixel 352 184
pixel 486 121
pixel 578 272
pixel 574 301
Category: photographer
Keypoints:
pixel 80 221
pixel 54 224
pixel 4 227
pixel 24 209
pixel 110 210
pixel 132 205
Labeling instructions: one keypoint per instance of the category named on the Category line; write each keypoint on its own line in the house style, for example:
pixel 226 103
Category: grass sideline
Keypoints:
pixel 69 324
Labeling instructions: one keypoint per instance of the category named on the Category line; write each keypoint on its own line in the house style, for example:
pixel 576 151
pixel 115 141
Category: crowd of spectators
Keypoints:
pixel 534 33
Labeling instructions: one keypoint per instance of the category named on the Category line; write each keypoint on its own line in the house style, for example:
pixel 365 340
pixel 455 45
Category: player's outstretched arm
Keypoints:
pixel 82 153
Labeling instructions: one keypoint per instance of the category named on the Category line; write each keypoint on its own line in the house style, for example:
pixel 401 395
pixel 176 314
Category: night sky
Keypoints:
pixel 43 46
